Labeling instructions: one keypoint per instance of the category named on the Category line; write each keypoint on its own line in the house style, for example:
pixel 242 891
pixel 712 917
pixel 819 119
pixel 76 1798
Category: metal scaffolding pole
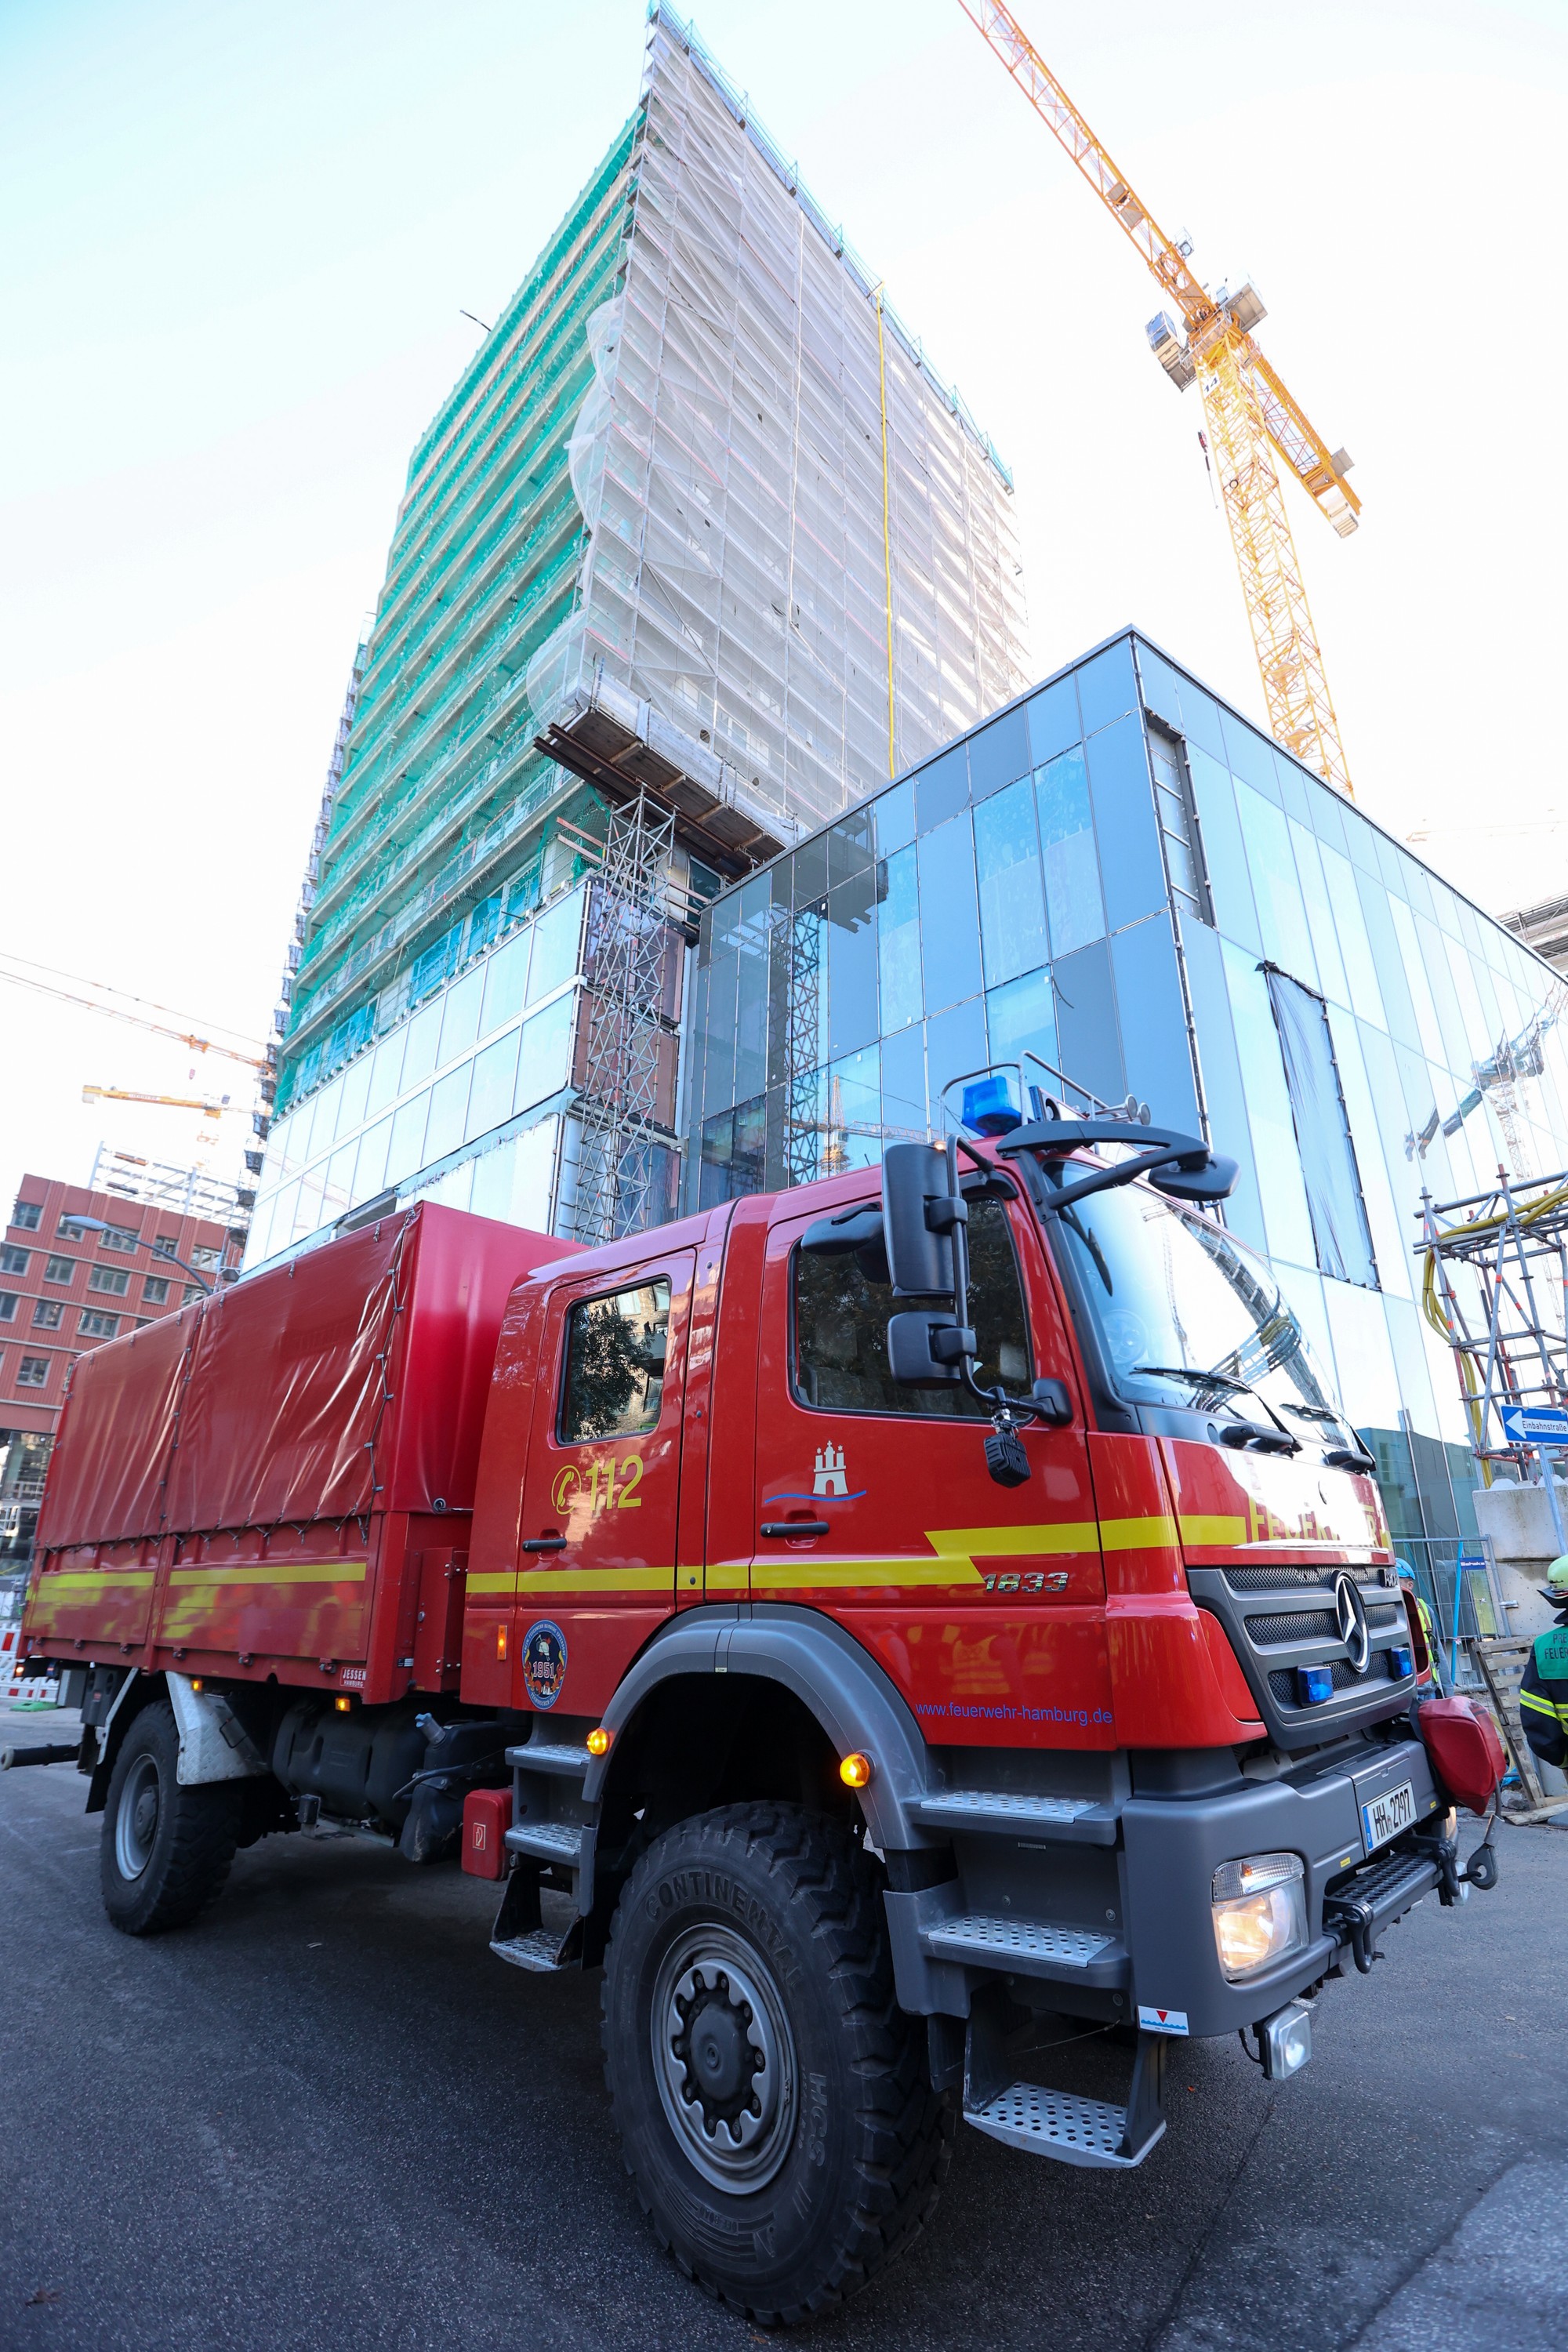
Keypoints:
pixel 629 947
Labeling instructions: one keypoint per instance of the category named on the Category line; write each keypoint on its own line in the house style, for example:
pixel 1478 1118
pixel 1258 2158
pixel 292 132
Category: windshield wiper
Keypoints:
pixel 1279 1440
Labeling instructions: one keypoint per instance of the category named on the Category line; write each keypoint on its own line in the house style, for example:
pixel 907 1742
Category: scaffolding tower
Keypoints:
pixel 625 1028
pixel 1496 1289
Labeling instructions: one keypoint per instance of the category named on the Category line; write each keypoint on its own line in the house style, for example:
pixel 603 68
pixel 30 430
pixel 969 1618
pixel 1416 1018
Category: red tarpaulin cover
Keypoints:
pixel 353 1379
pixel 106 1474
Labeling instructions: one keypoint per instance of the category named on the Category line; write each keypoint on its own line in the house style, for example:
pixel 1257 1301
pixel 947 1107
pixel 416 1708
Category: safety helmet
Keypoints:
pixel 1557 1581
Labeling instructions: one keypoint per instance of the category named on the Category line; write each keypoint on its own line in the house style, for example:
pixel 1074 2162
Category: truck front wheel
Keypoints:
pixel 166 1849
pixel 773 2099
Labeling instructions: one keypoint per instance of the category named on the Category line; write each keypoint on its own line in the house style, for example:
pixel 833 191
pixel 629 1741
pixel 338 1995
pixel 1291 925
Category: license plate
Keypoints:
pixel 1386 1815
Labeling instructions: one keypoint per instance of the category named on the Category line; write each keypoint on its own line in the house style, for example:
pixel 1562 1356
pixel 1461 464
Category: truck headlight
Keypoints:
pixel 1259 1913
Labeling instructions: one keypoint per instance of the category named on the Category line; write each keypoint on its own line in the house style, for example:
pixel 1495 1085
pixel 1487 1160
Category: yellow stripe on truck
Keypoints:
pixel 94 1580
pixel 273 1572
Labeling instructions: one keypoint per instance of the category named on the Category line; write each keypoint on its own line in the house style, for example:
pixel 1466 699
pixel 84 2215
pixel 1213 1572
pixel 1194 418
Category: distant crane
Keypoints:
pixel 65 988
pixel 1248 412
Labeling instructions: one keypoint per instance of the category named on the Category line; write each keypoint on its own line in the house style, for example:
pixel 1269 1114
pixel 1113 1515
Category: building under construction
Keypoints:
pixel 699 550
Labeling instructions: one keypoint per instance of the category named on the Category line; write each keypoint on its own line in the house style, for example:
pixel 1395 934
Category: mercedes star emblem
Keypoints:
pixel 1350 1615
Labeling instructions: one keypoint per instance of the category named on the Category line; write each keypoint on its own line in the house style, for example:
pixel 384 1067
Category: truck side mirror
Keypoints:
pixel 926 1349
pixel 921 1207
pixel 1213 1181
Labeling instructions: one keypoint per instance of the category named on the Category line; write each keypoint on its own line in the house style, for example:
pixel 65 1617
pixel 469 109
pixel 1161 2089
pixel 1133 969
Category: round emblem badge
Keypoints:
pixel 543 1663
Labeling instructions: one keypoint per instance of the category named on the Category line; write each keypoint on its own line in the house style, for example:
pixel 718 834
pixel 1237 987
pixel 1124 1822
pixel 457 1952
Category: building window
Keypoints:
pixel 119 1238
pixel 615 1364
pixel 114 1279
pixel 1341 1234
pixel 155 1288
pixel 192 1290
pixel 8 1305
pixel 1177 813
pixel 165 1245
pixel 59 1269
pixel 14 1260
pixel 27 1216
pixel 67 1230
pixel 841 1313
pixel 96 1324
pixel 205 1258
pixel 32 1371
pixel 46 1313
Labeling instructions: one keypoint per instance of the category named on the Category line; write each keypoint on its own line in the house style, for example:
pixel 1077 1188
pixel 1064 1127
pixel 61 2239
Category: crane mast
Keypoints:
pixel 1252 419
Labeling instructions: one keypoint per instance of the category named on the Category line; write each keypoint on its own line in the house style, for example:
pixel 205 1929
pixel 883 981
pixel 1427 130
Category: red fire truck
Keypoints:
pixel 895 1629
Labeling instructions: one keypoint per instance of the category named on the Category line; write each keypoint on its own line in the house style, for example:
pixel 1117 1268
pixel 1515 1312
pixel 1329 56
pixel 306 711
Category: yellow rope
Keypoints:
pixel 887 522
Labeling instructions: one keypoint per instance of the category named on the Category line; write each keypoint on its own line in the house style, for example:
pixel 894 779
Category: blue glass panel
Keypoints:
pixel 1154 1024
pixel 1021 1018
pixel 1427 1026
pixel 852 967
pixel 718 1081
pixel 751 1004
pixel 1073 903
pixel 1123 797
pixel 1390 864
pixel 356 1084
pixel 899 940
pixel 855 1109
pixel 386 1078
pixel 419 1052
pixel 495 1074
pixel 1250 756
pixel 1162 687
pixel 1340 1228
pixel 1469 928
pixel 1327 812
pixel 1227 1104
pixel 904 1079
pixel 810 864
pixel 460 1019
pixel 1275 1156
pixel 1392 985
pixel 941 789
pixel 1440 979
pixel 448 1112
pixel 1391 1243
pixel 955 1042
pixel 557 937
pixel 1086 1022
pixel 949 925
pixel 1361 841
pixel 506 974
pixel 1466 995
pixel 544 1060
pixel 1200 714
pixel 850 846
pixel 1320 916
pixel 1054 724
pixel 407 1150
pixel 1275 887
pixel 1230 883
pixel 895 815
pixel 1350 929
pixel 1417 888
pixel 1008 866
pixel 1107 688
pixel 1296 790
pixel 999 754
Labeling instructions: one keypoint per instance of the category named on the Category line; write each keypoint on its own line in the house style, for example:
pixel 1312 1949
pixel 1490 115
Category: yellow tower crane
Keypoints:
pixel 1251 417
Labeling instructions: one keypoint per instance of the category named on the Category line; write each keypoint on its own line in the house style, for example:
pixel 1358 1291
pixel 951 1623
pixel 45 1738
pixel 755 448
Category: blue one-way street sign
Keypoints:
pixel 1535 1425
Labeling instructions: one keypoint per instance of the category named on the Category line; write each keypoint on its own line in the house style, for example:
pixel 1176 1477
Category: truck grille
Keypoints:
pixel 1301 1629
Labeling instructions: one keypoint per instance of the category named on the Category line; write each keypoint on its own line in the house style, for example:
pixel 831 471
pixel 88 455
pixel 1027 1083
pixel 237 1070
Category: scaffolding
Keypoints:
pixel 1496 1288
pixel 626 1033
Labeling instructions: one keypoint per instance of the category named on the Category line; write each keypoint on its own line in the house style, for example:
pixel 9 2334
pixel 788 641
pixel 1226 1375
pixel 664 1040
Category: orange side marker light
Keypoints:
pixel 598 1740
pixel 856 1770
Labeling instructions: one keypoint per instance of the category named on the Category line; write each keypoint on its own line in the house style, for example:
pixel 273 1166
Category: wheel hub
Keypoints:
pixel 136 1824
pixel 724 2058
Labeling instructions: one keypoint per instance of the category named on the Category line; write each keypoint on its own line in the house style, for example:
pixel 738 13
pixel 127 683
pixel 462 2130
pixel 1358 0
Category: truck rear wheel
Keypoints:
pixel 166 1849
pixel 773 2099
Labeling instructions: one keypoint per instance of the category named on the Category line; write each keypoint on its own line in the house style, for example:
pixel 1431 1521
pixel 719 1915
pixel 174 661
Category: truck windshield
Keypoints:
pixel 1188 1317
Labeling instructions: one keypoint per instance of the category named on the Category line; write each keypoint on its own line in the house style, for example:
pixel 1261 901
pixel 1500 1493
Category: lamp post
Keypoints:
pixel 101 1225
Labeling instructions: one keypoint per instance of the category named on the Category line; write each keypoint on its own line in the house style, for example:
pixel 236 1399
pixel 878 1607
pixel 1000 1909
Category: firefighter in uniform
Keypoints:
pixel 1544 1691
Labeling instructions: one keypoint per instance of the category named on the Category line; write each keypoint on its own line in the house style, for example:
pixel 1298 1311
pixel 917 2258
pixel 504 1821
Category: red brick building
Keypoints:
pixel 64 1290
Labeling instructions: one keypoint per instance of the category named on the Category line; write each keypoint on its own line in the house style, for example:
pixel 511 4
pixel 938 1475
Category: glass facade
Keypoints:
pixel 1120 875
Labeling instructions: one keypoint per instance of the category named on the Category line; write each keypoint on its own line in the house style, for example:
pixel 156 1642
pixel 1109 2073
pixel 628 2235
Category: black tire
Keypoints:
pixel 753 1942
pixel 166 1850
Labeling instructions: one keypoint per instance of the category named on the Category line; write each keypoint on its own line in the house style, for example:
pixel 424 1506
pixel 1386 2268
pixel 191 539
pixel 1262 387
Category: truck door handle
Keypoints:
pixel 788 1527
pixel 544 1543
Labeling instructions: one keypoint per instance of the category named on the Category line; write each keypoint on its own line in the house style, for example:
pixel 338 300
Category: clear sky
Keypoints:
pixel 237 245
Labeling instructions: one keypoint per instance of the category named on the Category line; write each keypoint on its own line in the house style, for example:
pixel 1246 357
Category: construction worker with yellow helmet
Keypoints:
pixel 1413 1592
pixel 1543 1692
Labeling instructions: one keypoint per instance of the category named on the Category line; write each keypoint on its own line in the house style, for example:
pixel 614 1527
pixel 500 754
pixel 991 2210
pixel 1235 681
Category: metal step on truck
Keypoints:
pixel 906 1633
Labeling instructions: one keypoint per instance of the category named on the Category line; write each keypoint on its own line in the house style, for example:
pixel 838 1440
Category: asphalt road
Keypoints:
pixel 325 2116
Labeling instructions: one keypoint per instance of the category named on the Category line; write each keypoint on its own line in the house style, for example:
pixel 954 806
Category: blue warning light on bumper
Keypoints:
pixel 1314 1683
